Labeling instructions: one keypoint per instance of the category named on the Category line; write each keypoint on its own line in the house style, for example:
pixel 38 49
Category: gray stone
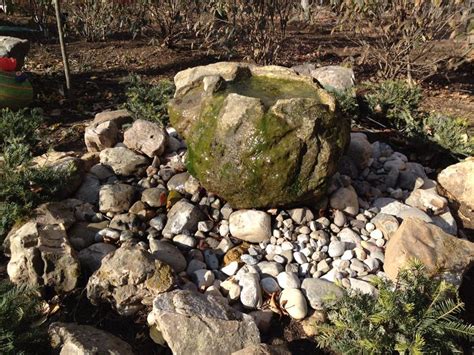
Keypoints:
pixel 155 197
pixel 89 190
pixel 178 183
pixel 334 77
pixel 251 294
pixel 395 208
pixel 128 279
pixel 336 248
pixel 41 256
pixel 288 280
pixel 269 268
pixel 321 293
pixel 360 150
pixel 116 198
pixel 77 339
pixel 270 285
pixel 146 137
pixel 294 303
pixel 346 200
pixel 183 217
pixel 206 323
pixel 124 161
pixel 168 254
pixel 362 286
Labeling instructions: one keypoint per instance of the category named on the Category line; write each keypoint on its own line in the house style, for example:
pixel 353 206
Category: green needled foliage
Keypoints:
pixel 20 309
pixel 415 315
pixel 149 102
pixel 396 101
pixel 23 187
pixel 21 124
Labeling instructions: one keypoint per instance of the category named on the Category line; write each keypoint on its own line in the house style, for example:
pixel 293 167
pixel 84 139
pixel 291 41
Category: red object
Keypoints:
pixel 8 64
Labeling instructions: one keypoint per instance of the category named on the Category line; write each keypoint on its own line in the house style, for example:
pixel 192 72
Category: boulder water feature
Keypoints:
pixel 258 136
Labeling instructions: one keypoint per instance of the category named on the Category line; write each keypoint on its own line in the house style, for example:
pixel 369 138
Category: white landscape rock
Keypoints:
pixel 362 286
pixel 251 294
pixel 288 280
pixel 250 225
pixel 146 137
pixel 183 217
pixel 169 254
pixel 101 135
pixel 293 301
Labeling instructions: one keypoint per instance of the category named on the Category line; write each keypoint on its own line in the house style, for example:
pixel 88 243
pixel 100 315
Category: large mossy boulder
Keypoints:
pixel 258 136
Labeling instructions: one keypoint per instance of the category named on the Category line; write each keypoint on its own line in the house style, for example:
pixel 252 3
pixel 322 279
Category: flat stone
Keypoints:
pixel 71 338
pixel 124 161
pixel 201 317
pixel 320 293
pixel 362 286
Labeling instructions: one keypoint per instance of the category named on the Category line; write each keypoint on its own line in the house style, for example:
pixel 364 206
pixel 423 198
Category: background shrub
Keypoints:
pixel 449 133
pixel 149 102
pixel 396 102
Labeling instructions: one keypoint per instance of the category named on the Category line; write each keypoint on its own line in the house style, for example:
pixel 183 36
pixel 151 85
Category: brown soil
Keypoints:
pixel 99 72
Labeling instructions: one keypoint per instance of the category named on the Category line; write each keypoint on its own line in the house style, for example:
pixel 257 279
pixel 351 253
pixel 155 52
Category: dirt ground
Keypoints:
pixel 100 71
pixel 99 79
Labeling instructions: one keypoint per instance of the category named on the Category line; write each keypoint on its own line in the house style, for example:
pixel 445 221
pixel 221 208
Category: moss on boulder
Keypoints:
pixel 258 136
